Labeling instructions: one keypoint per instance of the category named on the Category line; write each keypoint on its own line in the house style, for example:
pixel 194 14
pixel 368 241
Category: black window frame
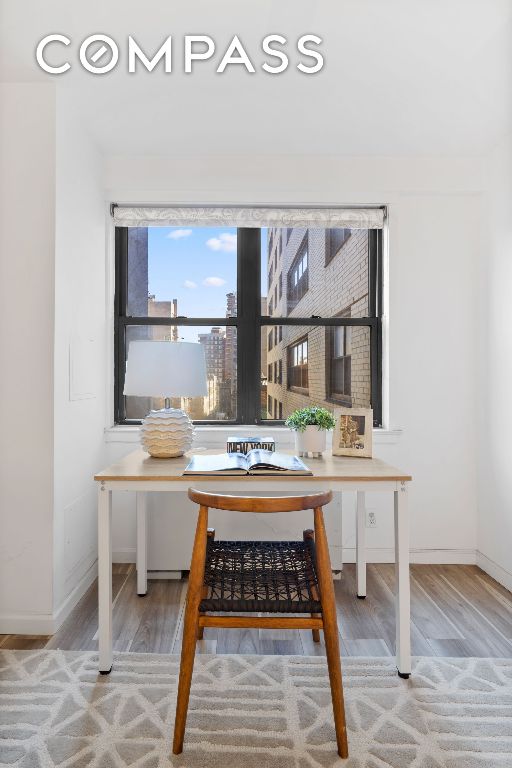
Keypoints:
pixel 250 324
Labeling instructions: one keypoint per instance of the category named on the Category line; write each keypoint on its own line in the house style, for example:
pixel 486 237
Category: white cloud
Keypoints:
pixel 177 234
pixel 189 284
pixel 216 282
pixel 224 242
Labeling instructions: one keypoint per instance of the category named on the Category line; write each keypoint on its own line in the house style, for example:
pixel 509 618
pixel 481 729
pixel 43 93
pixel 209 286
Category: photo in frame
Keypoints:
pixel 352 434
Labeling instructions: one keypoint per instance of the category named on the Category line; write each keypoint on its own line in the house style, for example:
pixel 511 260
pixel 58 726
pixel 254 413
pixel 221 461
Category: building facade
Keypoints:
pixel 324 273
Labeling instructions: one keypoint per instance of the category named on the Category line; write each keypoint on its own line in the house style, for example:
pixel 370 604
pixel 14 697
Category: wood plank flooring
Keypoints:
pixel 457 610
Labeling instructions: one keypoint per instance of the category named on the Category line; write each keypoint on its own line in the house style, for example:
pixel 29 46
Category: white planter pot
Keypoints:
pixel 312 440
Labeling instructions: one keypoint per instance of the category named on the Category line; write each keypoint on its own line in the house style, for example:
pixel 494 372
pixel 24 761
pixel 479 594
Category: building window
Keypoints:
pixel 339 364
pixel 164 279
pixel 288 233
pixel 280 285
pixel 280 410
pixel 334 239
pixel 298 276
pixel 297 372
pixel 269 405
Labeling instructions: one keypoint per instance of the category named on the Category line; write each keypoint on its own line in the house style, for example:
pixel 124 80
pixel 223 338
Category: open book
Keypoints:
pixel 256 462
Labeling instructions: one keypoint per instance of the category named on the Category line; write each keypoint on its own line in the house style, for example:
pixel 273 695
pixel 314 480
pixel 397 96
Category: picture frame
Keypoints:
pixel 352 434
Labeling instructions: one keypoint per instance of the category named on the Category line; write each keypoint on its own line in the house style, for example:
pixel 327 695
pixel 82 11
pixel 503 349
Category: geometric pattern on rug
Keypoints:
pixel 252 712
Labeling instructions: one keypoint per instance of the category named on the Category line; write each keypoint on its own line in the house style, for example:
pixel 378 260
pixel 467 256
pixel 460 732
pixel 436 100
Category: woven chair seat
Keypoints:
pixel 261 576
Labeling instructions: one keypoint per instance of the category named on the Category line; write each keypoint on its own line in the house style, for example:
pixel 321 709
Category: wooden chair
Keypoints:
pixel 267 577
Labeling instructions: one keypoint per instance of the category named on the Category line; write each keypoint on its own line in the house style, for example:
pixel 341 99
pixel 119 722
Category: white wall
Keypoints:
pixel 53 338
pixel 81 337
pixel 27 215
pixel 495 473
pixel 435 207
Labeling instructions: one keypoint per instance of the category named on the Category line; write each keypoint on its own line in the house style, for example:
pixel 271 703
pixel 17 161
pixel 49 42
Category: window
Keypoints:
pixel 298 276
pixel 339 364
pixel 280 285
pixel 170 284
pixel 269 405
pixel 334 239
pixel 298 365
pixel 288 233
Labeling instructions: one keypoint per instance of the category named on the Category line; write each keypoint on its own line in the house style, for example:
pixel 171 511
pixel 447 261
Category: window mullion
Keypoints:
pixel 249 312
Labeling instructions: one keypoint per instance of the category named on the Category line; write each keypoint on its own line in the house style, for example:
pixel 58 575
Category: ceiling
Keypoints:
pixel 400 77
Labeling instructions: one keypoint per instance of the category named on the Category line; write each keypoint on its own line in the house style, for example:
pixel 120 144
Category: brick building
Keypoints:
pixel 317 272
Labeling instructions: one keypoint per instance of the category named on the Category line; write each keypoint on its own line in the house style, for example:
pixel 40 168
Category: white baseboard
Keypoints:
pixel 426 556
pixel 124 555
pixel 488 565
pixel 26 624
pixel 373 555
pixel 47 623
pixel 67 605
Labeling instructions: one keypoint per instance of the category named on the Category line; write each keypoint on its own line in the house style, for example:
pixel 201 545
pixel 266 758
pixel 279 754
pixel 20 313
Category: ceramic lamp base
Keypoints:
pixel 166 433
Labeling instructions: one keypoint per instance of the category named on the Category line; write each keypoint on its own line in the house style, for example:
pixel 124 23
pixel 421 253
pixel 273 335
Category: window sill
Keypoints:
pixel 213 435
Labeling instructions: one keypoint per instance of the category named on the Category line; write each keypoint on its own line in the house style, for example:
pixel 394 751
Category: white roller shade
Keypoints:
pixel 217 216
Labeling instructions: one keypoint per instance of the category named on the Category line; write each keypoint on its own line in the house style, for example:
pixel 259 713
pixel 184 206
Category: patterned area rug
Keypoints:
pixel 252 712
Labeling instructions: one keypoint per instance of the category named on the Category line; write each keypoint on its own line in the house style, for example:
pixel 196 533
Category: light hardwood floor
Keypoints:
pixel 457 610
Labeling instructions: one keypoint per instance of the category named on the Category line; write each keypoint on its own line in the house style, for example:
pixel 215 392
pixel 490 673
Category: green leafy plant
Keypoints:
pixel 313 416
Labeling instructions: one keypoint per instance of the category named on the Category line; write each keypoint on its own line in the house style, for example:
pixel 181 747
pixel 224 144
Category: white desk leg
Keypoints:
pixel 105 579
pixel 360 545
pixel 402 585
pixel 142 545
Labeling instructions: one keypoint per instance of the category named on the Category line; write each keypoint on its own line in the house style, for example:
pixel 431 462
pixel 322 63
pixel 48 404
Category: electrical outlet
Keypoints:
pixel 371 518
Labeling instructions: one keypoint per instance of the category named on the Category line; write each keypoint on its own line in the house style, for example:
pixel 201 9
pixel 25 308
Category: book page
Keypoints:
pixel 217 462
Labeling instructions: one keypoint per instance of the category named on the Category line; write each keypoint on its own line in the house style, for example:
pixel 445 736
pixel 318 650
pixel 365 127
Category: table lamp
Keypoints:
pixel 166 369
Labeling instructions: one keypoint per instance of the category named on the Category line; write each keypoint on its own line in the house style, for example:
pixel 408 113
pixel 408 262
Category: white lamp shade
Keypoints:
pixel 165 369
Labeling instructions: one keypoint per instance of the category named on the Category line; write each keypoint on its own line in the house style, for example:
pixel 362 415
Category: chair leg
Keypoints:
pixel 309 534
pixel 200 632
pixel 190 628
pixel 332 646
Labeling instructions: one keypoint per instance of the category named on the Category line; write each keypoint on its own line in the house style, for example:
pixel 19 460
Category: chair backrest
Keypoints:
pixel 260 503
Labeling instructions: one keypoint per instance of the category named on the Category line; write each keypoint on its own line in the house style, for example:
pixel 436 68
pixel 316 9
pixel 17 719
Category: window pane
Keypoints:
pixel 220 345
pixel 310 373
pixel 176 271
pixel 320 271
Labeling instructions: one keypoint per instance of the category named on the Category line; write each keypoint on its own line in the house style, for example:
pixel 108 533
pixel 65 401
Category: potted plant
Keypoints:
pixel 310 425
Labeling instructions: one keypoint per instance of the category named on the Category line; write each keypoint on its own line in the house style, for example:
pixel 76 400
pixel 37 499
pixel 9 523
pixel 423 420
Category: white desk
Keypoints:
pixel 141 474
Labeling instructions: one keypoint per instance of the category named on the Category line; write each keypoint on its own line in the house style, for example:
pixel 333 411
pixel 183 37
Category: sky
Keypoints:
pixel 197 266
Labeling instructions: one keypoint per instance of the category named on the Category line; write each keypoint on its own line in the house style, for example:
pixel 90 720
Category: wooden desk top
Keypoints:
pixel 139 466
